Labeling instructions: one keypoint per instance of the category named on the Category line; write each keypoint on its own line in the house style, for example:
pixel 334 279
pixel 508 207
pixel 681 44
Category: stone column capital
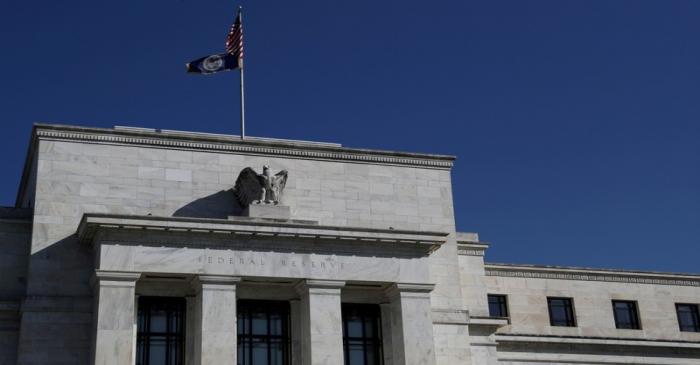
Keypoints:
pixel 114 278
pixel 220 282
pixel 313 286
pixel 409 289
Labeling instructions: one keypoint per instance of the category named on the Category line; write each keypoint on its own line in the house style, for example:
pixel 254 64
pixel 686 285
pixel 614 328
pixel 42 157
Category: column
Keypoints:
pixel 411 324
pixel 114 318
pixel 215 318
pixel 321 322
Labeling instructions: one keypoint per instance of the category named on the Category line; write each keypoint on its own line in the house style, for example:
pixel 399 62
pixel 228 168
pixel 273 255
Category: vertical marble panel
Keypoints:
pixel 321 322
pixel 115 317
pixel 411 324
pixel 215 318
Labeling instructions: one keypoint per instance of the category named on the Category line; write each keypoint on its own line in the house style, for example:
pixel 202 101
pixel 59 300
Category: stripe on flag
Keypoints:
pixel 234 39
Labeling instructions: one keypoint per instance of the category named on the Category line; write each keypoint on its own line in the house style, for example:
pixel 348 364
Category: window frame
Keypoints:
pixel 371 311
pixel 502 304
pixel 246 306
pixel 695 314
pixel 634 310
pixel 571 311
pixel 175 337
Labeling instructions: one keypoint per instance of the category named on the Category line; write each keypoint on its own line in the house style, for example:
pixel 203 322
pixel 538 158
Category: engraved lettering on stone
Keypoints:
pixel 284 262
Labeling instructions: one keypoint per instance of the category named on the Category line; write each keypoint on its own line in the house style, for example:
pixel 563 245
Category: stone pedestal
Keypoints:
pixel 215 320
pixel 321 322
pixel 114 318
pixel 270 211
pixel 411 324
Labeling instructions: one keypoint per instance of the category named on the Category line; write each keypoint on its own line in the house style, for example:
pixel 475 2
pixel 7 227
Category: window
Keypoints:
pixel 160 334
pixel 263 332
pixel 362 343
pixel 688 318
pixel 498 306
pixel 561 312
pixel 626 314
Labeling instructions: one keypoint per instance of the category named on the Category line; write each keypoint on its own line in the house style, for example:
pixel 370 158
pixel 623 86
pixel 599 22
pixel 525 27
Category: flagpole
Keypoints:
pixel 240 13
pixel 242 105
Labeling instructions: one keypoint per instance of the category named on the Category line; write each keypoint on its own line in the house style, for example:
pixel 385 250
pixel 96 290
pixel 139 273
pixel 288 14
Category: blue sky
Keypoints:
pixel 576 123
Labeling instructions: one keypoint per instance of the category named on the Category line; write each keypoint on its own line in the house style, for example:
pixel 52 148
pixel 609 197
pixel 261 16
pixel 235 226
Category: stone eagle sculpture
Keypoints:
pixel 254 188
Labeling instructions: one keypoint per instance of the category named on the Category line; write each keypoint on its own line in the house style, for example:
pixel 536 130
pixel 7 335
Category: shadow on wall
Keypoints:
pixel 68 259
pixel 220 205
pixel 61 273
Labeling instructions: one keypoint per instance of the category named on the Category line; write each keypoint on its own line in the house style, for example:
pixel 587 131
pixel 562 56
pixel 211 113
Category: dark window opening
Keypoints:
pixel 498 305
pixel 362 335
pixel 688 318
pixel 263 332
pixel 626 314
pixel 561 312
pixel 160 337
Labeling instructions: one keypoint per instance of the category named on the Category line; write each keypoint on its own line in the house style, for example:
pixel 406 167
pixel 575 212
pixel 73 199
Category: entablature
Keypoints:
pixel 242 230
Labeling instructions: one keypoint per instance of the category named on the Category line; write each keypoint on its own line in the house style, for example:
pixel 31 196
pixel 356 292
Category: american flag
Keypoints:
pixel 234 40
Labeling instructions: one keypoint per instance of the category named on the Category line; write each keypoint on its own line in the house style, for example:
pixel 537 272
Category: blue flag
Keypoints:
pixel 214 63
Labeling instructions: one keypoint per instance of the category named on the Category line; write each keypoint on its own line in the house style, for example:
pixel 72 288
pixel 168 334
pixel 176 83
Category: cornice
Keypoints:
pixel 231 144
pixel 586 274
pixel 468 244
pixel 283 232
pixel 472 248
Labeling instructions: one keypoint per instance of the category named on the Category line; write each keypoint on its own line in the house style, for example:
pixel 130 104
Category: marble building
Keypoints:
pixel 152 247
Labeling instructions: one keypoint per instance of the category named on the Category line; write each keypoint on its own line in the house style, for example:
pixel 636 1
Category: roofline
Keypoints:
pixel 586 269
pixel 226 144
pixel 552 269
pixel 182 136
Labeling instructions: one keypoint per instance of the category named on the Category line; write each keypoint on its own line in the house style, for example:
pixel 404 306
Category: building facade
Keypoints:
pixel 150 247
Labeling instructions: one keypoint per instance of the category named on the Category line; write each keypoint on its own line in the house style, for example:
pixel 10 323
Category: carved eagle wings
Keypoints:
pixel 252 187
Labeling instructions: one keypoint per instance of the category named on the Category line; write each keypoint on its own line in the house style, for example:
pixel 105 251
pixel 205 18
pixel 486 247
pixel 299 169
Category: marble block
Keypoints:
pixel 272 211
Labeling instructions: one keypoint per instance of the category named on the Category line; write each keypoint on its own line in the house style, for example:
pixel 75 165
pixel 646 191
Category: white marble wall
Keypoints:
pixel 527 300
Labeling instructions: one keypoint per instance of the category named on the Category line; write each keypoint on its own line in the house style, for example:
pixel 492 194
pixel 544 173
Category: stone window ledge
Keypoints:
pixel 611 341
